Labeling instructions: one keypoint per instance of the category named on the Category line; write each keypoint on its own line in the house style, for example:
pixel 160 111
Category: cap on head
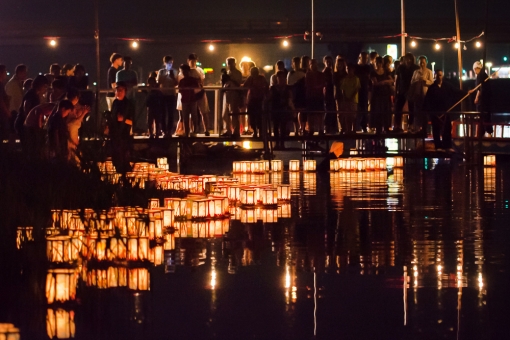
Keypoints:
pixel 477 64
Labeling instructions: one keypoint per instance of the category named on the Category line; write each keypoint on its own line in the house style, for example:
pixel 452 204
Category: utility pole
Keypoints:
pixel 98 62
pixel 313 31
pixel 459 49
pixel 403 28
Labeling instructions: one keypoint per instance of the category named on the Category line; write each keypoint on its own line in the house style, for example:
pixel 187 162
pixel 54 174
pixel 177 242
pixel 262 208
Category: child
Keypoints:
pixel 155 103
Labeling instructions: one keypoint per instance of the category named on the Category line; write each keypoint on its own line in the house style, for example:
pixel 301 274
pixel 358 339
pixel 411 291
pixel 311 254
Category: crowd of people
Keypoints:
pixel 369 96
pixel 43 112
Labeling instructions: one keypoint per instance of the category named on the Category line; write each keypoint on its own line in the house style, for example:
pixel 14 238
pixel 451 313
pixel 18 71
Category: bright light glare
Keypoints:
pixel 478 44
pixel 413 43
pixel 285 43
pixel 245 58
pixel 437 46
pixel 211 47
pixel 134 44
pixel 53 43
pixel 457 45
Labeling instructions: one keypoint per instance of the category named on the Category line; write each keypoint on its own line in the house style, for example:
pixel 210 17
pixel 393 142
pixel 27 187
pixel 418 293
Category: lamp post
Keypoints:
pixel 459 50
pixel 313 30
pixel 403 27
pixel 98 60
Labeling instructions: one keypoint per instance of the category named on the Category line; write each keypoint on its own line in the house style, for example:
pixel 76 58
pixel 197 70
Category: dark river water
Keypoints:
pixel 419 252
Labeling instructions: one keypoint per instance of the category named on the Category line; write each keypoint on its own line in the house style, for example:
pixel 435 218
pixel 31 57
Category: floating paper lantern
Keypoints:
pixel 24 235
pixel 168 217
pixel 489 160
pixel 269 196
pixel 234 192
pixel 198 209
pixel 61 285
pixel 237 167
pixel 360 164
pixel 58 249
pixel 157 255
pixel 153 203
pixel 116 277
pixel 245 166
pixel 248 196
pixel 276 165
pixel 309 165
pixel 283 192
pixel 334 165
pixel 293 165
pixel 380 164
pixel 117 250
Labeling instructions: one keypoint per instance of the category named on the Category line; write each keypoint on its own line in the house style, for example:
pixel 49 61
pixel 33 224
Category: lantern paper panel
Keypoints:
pixel 58 249
pixel 293 165
pixel 269 196
pixel 283 192
pixel 9 332
pixel 247 196
pixel 248 216
pixel 309 165
pixel 139 279
pixel 489 160
pixel 276 165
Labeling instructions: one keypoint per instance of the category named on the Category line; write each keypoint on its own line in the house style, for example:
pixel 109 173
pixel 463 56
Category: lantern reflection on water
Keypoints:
pixel 309 183
pixel 24 235
pixel 283 192
pixel 60 324
pixel 269 215
pixel 8 332
pixel 248 216
pixel 156 255
pixel 61 285
pixel 284 210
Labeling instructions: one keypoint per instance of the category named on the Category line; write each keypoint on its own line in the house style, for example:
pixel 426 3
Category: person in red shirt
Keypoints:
pixel 189 87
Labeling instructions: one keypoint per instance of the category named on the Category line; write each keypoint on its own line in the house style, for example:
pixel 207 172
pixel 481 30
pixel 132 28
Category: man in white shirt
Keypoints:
pixel 296 81
pixel 167 81
pixel 14 88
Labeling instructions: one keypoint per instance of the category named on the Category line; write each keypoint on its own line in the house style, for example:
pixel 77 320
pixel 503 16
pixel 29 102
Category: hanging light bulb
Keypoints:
pixel 211 47
pixel 413 43
pixel 285 43
pixel 437 46
pixel 134 44
pixel 457 45
pixel 478 44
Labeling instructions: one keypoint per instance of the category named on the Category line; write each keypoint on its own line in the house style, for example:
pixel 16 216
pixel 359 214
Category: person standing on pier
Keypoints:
pixel 296 82
pixel 363 70
pixel 338 77
pixel 188 88
pixel 233 99
pixel 403 76
pixel 120 124
pixel 167 80
pixel 315 85
pixel 257 89
pixel 380 106
pixel 420 82
pixel 330 117
pixel 483 97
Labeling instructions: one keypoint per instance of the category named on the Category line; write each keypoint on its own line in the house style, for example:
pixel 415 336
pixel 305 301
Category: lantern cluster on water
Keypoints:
pixel 365 164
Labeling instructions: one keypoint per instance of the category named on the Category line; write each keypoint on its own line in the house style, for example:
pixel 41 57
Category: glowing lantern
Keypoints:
pixel 360 164
pixel 168 217
pixel 265 165
pixel 283 192
pixel 156 255
pixel 256 167
pixel 155 224
pixel 153 203
pixel 248 216
pixel 276 177
pixel 60 285
pixel 276 165
pixel 8 332
pixel 138 279
pixel 138 249
pixel 269 196
pixel 489 160
pixel 24 235
pixel 58 249
pixel 334 164
pixel 169 242
pixel 235 212
pixel 60 324
pixel 118 250
pixel 198 209
pixel 248 196
pixel 237 167
pixel 309 165
pixel 245 166
pixel 234 192
pixel 370 164
pixel 293 165
pixel 380 164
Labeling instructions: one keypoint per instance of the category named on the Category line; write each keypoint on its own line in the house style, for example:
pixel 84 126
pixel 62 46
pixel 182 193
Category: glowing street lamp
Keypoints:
pixel 285 43
pixel 134 44
pixel 478 44
pixel 437 46
pixel 457 45
pixel 211 47
pixel 53 42
pixel 413 43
